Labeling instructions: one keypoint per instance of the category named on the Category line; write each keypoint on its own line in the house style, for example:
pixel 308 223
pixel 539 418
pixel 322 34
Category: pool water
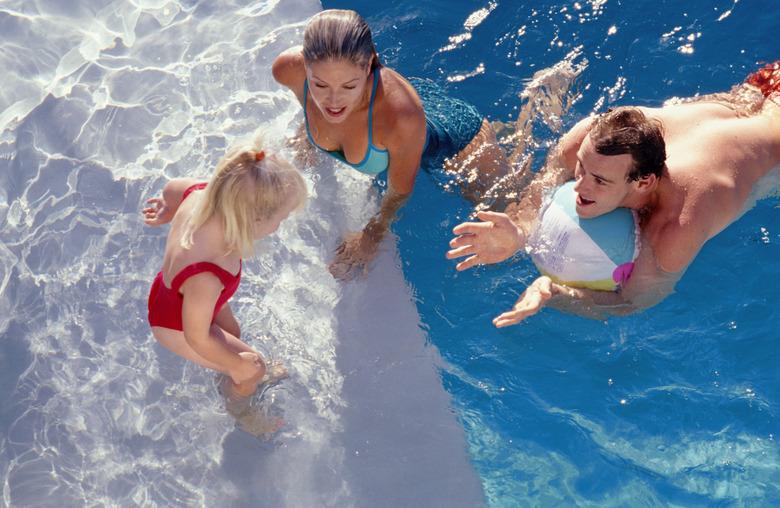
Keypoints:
pixel 677 405
pixel 401 392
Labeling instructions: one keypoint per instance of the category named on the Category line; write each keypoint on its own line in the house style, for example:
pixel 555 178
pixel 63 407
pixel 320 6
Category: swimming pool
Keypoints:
pixel 677 405
pixel 401 391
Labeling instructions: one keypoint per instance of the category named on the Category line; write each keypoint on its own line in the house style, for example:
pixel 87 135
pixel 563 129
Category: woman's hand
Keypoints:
pixel 530 302
pixel 157 212
pixel 354 255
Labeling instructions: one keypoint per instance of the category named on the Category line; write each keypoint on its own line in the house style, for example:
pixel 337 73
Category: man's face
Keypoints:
pixel 601 184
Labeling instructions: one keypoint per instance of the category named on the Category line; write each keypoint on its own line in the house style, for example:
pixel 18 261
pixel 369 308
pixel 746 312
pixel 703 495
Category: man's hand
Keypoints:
pixel 493 240
pixel 530 302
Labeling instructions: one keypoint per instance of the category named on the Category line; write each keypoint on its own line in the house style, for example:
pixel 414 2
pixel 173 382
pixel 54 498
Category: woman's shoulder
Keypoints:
pixel 288 68
pixel 398 106
pixel 397 93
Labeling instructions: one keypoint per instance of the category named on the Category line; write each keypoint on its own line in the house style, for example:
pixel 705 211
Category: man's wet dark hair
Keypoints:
pixel 628 130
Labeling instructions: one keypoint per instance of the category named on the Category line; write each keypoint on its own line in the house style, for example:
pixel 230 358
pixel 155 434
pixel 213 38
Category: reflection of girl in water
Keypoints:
pixel 373 119
pixel 213 225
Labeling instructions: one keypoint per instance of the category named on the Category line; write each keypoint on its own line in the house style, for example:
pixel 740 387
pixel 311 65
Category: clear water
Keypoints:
pixel 401 394
pixel 100 103
pixel 675 406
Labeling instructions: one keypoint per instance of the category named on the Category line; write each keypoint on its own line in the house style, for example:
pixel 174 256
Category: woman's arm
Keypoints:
pixel 404 139
pixel 288 70
pixel 161 210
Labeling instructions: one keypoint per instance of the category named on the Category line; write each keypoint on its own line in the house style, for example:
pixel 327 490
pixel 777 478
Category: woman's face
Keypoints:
pixel 337 87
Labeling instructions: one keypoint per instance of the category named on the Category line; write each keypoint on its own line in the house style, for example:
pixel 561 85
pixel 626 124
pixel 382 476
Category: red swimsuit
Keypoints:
pixel 165 303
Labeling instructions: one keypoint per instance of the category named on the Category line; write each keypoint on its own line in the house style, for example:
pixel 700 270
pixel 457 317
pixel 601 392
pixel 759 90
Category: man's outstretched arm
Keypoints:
pixel 558 169
pixel 648 285
pixel 499 235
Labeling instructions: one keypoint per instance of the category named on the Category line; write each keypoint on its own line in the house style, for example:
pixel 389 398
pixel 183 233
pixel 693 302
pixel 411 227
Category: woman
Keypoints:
pixel 373 119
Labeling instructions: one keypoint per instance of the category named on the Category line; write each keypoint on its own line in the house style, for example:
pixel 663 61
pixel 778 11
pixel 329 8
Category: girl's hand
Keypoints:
pixel 157 212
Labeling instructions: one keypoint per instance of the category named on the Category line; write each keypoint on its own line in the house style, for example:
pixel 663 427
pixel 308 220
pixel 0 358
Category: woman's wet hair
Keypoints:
pixel 628 130
pixel 247 186
pixel 337 34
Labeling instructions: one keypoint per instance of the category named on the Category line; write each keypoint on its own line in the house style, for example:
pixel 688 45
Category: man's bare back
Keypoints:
pixel 715 156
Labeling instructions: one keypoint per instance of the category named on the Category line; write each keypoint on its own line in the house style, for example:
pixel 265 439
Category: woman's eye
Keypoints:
pixel 352 87
pixel 319 85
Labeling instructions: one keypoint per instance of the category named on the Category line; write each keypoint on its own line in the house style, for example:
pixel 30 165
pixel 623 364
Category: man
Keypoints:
pixel 689 169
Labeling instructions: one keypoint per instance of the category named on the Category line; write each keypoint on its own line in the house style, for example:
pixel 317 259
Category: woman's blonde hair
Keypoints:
pixel 247 186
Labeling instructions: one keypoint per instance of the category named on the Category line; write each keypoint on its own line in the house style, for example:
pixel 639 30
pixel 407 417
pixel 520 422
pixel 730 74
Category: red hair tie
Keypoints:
pixel 259 156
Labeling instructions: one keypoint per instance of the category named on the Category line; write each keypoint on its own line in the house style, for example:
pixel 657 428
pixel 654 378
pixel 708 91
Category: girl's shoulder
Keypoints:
pixel 208 246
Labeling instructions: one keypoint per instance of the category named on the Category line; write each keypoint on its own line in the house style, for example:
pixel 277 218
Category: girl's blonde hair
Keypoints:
pixel 245 188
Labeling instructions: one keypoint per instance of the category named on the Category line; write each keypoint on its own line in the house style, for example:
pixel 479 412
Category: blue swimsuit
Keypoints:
pixel 450 125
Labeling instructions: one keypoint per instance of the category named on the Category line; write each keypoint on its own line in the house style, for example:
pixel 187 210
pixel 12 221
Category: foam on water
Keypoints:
pixel 101 102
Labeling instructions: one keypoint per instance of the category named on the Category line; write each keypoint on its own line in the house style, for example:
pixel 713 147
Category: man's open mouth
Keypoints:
pixel 583 201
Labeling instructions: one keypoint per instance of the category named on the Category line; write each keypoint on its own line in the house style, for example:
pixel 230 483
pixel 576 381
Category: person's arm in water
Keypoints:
pixel 288 70
pixel 200 294
pixel 649 284
pixel 500 235
pixel 404 140
pixel 161 210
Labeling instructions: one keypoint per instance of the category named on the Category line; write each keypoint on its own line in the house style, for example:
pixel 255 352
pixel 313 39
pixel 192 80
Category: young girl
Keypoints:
pixel 213 225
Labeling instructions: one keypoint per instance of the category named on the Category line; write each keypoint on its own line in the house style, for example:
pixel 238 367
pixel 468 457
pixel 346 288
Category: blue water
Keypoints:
pixel 678 405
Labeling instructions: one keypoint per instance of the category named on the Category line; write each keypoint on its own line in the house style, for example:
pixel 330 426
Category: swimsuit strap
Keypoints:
pixel 225 277
pixel 371 112
pixel 192 188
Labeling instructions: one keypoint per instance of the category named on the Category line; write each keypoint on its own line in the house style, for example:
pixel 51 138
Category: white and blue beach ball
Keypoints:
pixel 596 253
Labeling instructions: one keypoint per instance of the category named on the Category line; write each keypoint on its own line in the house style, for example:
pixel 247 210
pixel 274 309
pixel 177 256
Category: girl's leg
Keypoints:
pixel 175 341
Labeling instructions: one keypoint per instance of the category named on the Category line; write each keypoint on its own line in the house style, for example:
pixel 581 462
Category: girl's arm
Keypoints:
pixel 161 210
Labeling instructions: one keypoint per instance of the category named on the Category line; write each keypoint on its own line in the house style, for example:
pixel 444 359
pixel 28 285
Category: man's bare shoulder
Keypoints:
pixel 676 242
